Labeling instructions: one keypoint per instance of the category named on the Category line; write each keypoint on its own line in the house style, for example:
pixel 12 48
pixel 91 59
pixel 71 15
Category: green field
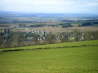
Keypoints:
pixel 69 57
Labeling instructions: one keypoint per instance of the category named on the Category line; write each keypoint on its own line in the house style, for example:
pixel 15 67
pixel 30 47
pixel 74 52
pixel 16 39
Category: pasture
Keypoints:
pixel 68 57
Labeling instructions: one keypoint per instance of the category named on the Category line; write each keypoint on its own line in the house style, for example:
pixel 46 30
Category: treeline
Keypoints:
pixel 15 39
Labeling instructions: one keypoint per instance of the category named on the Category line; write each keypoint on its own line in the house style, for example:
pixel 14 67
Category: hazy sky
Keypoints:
pixel 50 6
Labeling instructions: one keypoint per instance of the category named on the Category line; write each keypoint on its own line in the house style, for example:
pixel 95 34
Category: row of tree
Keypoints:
pixel 14 39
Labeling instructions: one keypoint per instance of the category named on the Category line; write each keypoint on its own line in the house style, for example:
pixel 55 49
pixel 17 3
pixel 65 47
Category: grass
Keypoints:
pixel 66 44
pixel 70 57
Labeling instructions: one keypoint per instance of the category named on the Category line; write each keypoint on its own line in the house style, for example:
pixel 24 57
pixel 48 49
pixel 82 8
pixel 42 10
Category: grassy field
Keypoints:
pixel 70 57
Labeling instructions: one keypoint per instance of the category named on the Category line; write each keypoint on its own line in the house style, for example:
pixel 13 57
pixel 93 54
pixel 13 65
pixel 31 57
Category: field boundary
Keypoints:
pixel 14 50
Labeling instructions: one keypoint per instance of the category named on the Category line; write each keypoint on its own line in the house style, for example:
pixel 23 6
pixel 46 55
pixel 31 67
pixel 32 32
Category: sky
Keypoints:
pixel 50 6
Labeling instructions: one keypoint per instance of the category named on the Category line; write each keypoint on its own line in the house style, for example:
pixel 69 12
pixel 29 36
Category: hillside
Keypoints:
pixel 71 57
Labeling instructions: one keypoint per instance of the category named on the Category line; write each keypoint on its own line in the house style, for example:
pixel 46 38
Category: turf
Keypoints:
pixel 71 57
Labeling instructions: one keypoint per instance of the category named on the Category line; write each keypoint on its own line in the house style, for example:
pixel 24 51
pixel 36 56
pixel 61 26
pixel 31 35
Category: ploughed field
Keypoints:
pixel 68 57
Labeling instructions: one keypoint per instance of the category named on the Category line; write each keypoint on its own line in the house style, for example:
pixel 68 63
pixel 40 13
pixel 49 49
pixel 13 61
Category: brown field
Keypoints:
pixel 56 29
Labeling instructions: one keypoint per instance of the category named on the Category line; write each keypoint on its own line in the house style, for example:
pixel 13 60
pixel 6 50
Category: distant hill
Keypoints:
pixel 18 14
